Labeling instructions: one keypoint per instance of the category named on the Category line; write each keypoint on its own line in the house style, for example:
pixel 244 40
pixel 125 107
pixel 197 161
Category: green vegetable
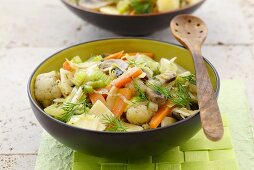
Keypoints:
pixel 113 124
pixel 142 6
pixel 55 111
pixel 191 78
pixel 95 58
pixel 71 109
pixel 96 84
pixel 141 93
pixel 178 94
pixel 76 60
pixel 87 88
pixel 123 6
pixel 79 77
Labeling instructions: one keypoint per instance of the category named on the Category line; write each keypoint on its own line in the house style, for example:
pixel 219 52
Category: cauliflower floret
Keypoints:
pixel 140 114
pixel 65 84
pixel 46 88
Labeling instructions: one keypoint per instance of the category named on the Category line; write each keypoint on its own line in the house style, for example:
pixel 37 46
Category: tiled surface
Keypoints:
pixel 32 30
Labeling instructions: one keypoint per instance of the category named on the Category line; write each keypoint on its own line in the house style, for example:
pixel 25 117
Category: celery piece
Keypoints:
pixel 123 6
pixel 95 58
pixel 87 89
pixel 55 111
pixel 76 60
pixel 96 84
pixel 79 77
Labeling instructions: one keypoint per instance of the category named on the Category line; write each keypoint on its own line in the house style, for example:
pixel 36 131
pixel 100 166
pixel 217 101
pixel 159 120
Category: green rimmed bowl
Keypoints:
pixel 127 144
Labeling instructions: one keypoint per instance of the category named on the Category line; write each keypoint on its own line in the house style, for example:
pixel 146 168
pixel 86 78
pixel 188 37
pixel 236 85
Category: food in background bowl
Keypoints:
pixel 135 25
pixel 118 92
pixel 132 7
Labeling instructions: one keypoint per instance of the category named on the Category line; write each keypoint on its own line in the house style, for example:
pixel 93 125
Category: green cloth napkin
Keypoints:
pixel 197 153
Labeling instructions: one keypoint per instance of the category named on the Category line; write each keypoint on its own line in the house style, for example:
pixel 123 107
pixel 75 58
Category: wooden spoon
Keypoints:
pixel 191 32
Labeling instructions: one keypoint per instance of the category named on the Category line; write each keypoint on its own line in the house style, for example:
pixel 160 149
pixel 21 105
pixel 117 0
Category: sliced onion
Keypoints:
pixel 94 4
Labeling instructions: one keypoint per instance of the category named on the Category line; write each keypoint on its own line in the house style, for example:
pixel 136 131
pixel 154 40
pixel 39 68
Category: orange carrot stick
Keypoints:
pixel 127 77
pixel 120 105
pixel 96 96
pixel 160 115
pixel 117 55
pixel 147 54
pixel 67 66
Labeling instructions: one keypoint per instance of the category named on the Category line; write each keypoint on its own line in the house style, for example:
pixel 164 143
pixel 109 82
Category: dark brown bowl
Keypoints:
pixel 135 25
pixel 127 144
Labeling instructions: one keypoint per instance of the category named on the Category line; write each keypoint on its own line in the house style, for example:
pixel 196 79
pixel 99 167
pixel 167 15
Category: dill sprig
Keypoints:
pixel 141 94
pixel 181 96
pixel 178 95
pixel 161 90
pixel 191 78
pixel 113 124
pixel 74 109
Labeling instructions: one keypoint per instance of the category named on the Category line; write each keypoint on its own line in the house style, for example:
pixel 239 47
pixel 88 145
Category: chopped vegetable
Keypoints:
pixel 127 77
pixel 168 121
pixel 121 92
pixel 67 66
pixel 132 7
pixel 117 55
pixel 96 96
pixel 46 88
pixel 138 54
pixel 160 115
pixel 120 104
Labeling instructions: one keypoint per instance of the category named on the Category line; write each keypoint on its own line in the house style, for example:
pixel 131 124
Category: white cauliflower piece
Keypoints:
pixel 65 85
pixel 46 88
pixel 141 114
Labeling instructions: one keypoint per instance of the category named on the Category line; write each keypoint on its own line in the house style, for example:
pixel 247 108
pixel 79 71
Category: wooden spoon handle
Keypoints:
pixel 209 109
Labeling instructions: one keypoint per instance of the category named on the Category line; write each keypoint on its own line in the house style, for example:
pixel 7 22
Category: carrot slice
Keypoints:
pixel 160 115
pixel 127 77
pixel 120 105
pixel 147 54
pixel 96 96
pixel 117 55
pixel 67 66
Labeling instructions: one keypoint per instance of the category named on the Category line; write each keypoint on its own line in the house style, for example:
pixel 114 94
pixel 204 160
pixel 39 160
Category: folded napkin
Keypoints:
pixel 196 154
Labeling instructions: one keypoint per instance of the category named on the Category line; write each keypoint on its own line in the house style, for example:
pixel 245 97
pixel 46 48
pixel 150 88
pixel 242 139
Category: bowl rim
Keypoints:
pixel 137 15
pixel 107 132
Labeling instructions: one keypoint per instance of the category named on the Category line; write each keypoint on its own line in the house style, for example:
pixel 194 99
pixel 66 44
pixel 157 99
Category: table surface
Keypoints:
pixel 32 30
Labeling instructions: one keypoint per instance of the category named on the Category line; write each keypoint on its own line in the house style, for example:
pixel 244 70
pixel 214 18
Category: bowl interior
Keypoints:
pixel 86 50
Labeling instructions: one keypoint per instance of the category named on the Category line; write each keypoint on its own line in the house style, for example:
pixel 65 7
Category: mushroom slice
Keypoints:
pixel 155 97
pixel 116 65
pixel 182 113
pixel 94 4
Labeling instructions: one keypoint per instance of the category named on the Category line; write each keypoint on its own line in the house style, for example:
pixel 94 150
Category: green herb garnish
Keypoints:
pixel 142 6
pixel 113 124
pixel 178 94
pixel 141 93
pixel 74 109
pixel 191 78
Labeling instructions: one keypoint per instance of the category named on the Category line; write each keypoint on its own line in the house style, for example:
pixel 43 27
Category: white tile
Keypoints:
pixel 46 23
pixel 17 162
pixel 20 131
pixel 247 7
pixel 234 62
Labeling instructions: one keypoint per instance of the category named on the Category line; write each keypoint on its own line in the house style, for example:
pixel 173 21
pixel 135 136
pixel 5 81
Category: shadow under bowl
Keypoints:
pixel 127 144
